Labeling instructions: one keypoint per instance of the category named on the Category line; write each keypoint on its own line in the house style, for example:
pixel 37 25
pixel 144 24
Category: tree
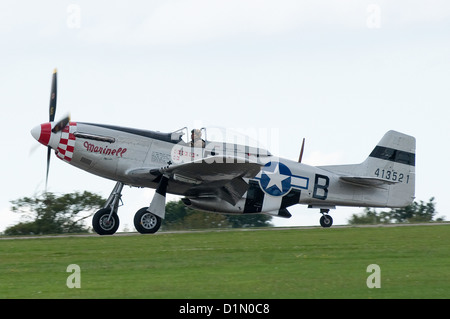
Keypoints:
pixel 368 217
pixel 249 220
pixel 52 214
pixel 416 212
pixel 179 216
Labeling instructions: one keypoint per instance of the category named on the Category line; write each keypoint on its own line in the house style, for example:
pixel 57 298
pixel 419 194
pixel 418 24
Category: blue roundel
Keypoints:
pixel 275 179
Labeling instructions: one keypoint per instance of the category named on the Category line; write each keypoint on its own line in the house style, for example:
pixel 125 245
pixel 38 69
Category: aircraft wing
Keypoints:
pixel 221 176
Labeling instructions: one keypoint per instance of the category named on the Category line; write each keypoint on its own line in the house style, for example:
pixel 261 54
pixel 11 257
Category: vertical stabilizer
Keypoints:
pixel 394 160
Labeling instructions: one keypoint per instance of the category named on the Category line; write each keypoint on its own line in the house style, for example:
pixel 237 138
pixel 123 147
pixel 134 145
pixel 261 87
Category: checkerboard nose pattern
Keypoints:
pixel 67 142
pixel 66 145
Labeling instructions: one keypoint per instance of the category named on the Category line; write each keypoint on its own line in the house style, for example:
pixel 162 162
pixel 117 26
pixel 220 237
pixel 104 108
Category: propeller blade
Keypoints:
pixel 61 124
pixel 52 109
pixel 301 151
pixel 49 149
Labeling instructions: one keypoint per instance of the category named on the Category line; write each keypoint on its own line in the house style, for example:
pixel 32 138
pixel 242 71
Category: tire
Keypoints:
pixel 101 224
pixel 326 221
pixel 146 222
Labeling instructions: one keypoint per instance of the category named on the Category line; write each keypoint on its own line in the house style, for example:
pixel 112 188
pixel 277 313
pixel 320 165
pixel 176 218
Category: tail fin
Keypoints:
pixel 394 160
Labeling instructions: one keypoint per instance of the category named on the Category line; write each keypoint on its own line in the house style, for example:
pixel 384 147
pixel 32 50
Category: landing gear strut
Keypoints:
pixel 106 220
pixel 325 220
pixel 147 220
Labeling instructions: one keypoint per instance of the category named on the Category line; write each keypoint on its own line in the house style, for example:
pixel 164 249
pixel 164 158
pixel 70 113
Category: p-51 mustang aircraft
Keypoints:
pixel 223 177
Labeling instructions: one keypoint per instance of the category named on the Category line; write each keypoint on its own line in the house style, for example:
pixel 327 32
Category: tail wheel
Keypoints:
pixel 102 224
pixel 326 221
pixel 146 222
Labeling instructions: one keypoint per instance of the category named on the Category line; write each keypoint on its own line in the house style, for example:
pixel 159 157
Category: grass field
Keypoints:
pixel 292 263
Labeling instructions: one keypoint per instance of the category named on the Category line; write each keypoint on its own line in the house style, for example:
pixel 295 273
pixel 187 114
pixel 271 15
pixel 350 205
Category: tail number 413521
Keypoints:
pixel 392 175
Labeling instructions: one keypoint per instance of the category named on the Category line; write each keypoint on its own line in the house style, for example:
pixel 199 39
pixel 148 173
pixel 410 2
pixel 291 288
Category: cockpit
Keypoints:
pixel 218 141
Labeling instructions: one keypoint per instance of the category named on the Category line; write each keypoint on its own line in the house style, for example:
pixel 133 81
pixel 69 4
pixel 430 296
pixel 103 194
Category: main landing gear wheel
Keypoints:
pixel 103 224
pixel 146 222
pixel 326 221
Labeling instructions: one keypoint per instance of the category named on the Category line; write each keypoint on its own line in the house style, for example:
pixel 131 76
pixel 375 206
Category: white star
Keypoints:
pixel 276 178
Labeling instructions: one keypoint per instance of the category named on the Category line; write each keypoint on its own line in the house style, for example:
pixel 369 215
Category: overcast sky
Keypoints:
pixel 339 73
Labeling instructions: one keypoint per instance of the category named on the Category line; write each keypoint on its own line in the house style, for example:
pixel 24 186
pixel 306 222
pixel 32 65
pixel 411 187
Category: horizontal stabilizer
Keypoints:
pixel 366 181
